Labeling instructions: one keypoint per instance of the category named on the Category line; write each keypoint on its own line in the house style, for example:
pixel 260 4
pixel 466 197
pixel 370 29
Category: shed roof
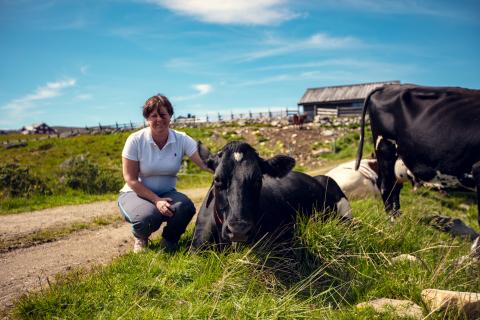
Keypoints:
pixel 341 93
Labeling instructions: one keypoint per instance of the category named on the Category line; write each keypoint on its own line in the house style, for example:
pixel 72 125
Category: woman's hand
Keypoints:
pixel 163 205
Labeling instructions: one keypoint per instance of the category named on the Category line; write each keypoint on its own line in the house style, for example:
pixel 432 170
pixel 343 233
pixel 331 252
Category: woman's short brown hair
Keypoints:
pixel 155 103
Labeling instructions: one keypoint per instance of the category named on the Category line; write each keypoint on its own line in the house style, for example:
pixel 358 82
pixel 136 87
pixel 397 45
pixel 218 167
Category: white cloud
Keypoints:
pixel 342 71
pixel 201 89
pixel 345 63
pixel 392 7
pixel 84 96
pixel 258 12
pixel 19 106
pixel 319 41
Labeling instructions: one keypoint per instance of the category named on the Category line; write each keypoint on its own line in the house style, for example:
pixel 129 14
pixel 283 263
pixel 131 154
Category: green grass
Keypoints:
pixel 331 268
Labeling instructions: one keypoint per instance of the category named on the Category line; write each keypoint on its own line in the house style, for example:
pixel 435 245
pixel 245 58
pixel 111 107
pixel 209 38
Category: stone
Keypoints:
pixel 404 258
pixel 465 302
pixel 328 133
pixel 401 308
pixel 321 151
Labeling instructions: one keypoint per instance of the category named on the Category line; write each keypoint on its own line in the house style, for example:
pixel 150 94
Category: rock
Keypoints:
pixel 464 206
pixel 274 123
pixel 465 302
pixel 328 133
pixel 321 151
pixel 404 258
pixel 401 308
pixel 454 226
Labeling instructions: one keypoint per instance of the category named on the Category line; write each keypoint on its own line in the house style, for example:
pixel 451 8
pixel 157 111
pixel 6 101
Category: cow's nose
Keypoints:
pixel 238 233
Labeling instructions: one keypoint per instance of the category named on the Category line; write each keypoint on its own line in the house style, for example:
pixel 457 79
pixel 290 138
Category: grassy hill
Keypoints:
pixel 49 162
pixel 44 172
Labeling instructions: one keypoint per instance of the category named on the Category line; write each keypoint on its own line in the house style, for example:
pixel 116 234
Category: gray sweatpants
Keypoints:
pixel 146 219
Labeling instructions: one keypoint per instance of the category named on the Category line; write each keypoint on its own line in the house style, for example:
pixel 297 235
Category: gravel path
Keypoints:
pixel 29 269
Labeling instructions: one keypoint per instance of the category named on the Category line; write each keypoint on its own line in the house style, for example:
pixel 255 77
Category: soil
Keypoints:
pixel 34 267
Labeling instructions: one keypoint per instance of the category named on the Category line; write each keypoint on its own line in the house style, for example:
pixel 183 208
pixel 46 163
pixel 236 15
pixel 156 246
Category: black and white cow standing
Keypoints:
pixel 435 131
pixel 251 197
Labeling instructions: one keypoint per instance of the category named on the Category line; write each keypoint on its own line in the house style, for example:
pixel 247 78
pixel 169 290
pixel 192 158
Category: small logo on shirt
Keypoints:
pixel 175 154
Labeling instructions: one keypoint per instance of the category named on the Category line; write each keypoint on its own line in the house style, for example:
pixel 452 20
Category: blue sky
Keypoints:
pixel 79 63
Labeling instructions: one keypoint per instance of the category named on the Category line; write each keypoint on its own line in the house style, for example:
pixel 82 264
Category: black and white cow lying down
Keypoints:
pixel 251 197
pixel 357 184
pixel 435 131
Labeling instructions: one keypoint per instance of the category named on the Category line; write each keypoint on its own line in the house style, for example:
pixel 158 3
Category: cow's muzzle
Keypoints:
pixel 239 231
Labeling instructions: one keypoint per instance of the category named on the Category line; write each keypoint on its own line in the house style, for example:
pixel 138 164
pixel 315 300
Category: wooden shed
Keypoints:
pixel 338 101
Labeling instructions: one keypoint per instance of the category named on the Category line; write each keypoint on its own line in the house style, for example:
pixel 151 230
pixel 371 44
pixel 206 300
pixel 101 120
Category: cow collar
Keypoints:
pixel 216 214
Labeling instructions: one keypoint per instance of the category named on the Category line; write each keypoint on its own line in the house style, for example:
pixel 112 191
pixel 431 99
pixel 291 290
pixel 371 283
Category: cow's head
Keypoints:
pixel 237 184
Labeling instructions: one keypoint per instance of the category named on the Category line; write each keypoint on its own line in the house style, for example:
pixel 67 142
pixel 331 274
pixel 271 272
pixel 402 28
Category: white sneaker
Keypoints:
pixel 139 245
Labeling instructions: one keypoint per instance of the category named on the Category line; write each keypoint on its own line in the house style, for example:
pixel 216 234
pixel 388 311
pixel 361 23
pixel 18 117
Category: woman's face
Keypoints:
pixel 159 120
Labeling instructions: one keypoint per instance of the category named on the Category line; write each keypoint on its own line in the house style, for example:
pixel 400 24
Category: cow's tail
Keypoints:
pixel 362 132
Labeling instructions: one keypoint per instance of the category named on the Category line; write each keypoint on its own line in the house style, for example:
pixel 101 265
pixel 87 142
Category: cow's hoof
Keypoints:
pixel 394 214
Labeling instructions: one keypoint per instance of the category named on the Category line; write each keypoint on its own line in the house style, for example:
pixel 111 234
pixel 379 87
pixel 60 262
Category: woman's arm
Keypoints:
pixel 199 162
pixel 130 175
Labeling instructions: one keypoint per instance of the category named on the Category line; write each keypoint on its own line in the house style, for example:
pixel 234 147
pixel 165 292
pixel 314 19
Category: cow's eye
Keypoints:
pixel 218 183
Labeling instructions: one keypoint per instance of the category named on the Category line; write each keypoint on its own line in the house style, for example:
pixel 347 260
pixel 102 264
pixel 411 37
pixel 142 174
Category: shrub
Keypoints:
pixel 17 181
pixel 81 174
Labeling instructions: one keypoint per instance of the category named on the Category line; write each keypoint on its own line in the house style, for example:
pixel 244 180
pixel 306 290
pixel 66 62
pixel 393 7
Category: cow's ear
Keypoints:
pixel 278 166
pixel 207 158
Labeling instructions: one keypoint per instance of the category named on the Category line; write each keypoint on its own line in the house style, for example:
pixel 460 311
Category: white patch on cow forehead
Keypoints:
pixel 238 156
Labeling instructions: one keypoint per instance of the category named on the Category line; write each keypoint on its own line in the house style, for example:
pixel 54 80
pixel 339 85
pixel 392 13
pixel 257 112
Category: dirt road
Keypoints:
pixel 31 268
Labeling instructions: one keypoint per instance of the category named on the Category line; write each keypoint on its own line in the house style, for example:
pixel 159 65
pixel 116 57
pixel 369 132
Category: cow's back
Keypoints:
pixel 281 199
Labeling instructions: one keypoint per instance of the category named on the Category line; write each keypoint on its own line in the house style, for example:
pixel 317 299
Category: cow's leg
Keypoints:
pixel 386 152
pixel 476 177
pixel 475 250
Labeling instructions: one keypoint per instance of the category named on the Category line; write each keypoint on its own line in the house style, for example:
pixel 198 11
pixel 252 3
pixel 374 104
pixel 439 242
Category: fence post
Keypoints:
pixel 231 115
pixel 116 124
pixel 131 124
pixel 269 113
pixel 100 126
pixel 219 117
pixel 250 114
pixel 207 118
